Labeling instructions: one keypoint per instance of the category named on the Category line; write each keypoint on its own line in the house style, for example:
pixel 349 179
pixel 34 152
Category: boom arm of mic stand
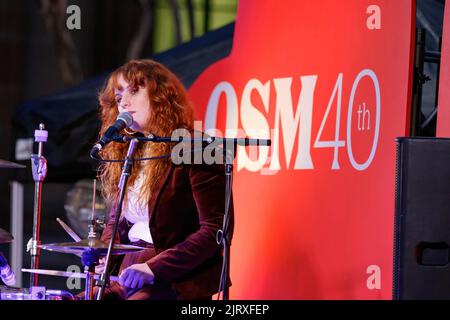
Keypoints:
pixel 126 172
pixel 227 141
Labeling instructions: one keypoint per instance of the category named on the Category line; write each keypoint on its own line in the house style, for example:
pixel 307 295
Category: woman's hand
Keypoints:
pixel 136 276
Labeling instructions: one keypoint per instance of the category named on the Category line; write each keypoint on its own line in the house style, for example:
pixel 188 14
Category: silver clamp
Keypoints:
pixel 32 247
pixel 39 167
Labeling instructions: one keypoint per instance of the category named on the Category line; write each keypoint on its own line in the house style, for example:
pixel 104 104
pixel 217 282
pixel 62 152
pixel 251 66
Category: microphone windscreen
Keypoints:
pixel 126 117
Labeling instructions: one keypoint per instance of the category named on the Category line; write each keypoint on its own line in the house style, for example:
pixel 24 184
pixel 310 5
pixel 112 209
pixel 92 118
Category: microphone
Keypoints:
pixel 6 274
pixel 124 120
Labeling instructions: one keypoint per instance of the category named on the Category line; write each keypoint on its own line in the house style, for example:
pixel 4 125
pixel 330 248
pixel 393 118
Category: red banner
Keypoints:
pixel 329 82
pixel 443 115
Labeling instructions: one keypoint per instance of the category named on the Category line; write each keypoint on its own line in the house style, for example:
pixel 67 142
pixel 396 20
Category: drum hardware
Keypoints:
pixel 91 225
pixel 91 244
pixel 65 274
pixel 39 170
pixel 90 269
pixel 5 236
pixel 90 277
pixel 10 165
pixel 59 295
pixel 78 208
pixel 34 293
pixel 78 248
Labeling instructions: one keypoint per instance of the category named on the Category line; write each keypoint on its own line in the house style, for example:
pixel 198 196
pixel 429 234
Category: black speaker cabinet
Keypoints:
pixel 422 219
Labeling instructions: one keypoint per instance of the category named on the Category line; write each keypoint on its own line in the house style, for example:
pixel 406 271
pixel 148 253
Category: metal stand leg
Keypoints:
pixel 89 289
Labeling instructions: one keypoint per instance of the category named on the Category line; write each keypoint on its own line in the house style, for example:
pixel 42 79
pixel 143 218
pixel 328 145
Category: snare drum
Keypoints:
pixel 34 293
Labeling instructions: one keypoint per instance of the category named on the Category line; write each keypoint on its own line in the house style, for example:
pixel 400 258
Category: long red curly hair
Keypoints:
pixel 170 110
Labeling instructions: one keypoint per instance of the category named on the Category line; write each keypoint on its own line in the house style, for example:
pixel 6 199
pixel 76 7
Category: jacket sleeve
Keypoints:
pixel 208 188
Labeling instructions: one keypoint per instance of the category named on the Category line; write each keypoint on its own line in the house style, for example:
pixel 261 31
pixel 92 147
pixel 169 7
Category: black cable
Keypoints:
pixel 97 158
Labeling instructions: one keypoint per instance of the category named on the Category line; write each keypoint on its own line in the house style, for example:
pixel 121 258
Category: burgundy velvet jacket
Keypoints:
pixel 185 212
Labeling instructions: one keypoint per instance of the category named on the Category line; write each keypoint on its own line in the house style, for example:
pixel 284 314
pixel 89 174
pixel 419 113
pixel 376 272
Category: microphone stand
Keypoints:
pixel 126 172
pixel 223 235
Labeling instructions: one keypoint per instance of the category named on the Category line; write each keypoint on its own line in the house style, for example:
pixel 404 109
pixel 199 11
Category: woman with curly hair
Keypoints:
pixel 174 211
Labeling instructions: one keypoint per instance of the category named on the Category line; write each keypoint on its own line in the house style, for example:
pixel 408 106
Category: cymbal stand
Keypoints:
pixel 89 284
pixel 90 269
pixel 39 169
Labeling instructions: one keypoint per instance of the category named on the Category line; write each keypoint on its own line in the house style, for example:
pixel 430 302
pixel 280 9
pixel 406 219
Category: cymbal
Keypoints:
pixel 81 246
pixel 66 274
pixel 10 165
pixel 5 236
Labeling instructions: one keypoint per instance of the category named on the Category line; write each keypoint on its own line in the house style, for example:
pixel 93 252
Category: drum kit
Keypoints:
pixel 78 247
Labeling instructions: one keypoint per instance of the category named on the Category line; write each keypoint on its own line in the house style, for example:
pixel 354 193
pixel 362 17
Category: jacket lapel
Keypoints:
pixel 155 196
